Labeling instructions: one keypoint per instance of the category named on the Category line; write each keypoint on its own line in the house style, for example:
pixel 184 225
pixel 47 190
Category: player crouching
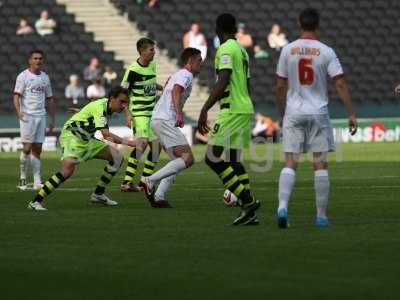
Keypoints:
pixel 79 144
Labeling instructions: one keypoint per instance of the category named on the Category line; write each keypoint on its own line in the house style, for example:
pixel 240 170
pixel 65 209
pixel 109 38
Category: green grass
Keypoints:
pixel 80 251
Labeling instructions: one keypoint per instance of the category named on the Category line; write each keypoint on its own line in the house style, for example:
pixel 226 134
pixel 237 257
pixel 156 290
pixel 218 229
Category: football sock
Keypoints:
pixel 286 182
pixel 23 165
pixel 149 166
pixel 131 167
pixel 171 168
pixel 109 171
pixel 163 187
pixel 241 174
pixel 36 169
pixel 321 184
pixel 49 186
pixel 230 180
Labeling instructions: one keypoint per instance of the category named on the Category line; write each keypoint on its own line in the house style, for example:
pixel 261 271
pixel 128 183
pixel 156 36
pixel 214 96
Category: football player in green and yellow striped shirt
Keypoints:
pixel 78 144
pixel 231 132
pixel 140 80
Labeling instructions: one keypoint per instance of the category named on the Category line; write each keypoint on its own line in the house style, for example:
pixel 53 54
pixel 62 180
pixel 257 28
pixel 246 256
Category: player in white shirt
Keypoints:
pixel 32 91
pixel 166 120
pixel 302 100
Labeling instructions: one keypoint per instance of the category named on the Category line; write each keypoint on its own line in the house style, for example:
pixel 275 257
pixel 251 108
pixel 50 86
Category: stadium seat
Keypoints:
pixel 67 51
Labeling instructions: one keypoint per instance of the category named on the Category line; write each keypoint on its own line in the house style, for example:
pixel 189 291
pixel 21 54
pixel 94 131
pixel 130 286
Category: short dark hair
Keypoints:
pixel 226 23
pixel 309 19
pixel 143 42
pixel 36 51
pixel 188 53
pixel 116 91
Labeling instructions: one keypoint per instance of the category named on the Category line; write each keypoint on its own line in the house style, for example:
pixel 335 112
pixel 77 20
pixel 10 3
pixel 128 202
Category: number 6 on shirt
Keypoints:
pixel 306 72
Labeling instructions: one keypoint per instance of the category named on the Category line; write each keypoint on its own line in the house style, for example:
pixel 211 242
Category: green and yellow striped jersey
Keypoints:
pixel 92 117
pixel 141 84
pixel 236 98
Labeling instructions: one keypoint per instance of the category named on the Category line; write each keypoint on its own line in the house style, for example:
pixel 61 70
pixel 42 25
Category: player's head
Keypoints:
pixel 118 97
pixel 309 19
pixel 225 25
pixel 195 28
pixel 191 60
pixel 145 47
pixel 35 59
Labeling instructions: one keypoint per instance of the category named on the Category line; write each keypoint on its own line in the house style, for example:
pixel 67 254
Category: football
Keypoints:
pixel 230 198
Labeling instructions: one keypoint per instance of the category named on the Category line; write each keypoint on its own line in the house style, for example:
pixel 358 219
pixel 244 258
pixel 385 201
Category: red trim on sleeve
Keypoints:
pixel 281 77
pixel 338 76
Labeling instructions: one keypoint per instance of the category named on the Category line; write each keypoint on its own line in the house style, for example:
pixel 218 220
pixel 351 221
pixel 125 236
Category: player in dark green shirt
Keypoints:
pixel 78 144
pixel 140 80
pixel 232 130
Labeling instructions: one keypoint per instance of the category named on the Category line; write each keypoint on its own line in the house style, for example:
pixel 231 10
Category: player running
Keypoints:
pixel 166 119
pixel 303 105
pixel 32 91
pixel 232 130
pixel 140 80
pixel 78 144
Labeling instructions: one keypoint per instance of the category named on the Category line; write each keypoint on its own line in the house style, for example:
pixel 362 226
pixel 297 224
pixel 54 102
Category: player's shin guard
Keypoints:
pixel 24 162
pixel 49 186
pixel 131 168
pixel 230 180
pixel 321 184
pixel 109 171
pixel 241 173
pixel 149 166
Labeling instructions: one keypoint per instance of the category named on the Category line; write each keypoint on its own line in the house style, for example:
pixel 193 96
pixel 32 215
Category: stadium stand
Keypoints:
pixel 67 51
pixel 362 32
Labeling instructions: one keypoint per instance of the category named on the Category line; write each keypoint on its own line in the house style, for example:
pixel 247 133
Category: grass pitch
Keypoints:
pixel 80 251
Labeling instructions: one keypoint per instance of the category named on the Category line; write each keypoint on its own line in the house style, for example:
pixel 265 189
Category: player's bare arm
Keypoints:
pixel 17 105
pixel 215 95
pixel 176 100
pixel 128 117
pixel 52 113
pixel 281 90
pixel 107 135
pixel 344 95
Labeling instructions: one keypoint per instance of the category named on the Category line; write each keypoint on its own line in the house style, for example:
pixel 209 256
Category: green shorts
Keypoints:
pixel 141 128
pixel 232 131
pixel 71 146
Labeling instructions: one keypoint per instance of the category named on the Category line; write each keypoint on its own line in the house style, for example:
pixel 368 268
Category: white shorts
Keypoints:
pixel 168 134
pixel 33 130
pixel 304 133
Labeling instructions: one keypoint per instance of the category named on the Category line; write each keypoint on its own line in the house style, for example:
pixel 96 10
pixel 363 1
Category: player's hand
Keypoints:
pixel 202 125
pixel 73 110
pixel 180 122
pixel 51 126
pixel 131 144
pixel 129 121
pixel 353 124
pixel 21 117
pixel 397 88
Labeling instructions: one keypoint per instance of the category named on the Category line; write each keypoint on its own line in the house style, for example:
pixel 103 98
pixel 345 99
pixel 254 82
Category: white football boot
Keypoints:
pixel 102 199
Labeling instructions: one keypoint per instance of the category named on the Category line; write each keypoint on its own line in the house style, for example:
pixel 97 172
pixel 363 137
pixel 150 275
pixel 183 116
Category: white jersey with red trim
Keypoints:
pixel 165 109
pixel 34 90
pixel 306 63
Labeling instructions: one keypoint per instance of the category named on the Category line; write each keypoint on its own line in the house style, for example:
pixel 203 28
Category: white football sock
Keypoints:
pixel 36 169
pixel 23 165
pixel 171 168
pixel 286 182
pixel 321 185
pixel 163 187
